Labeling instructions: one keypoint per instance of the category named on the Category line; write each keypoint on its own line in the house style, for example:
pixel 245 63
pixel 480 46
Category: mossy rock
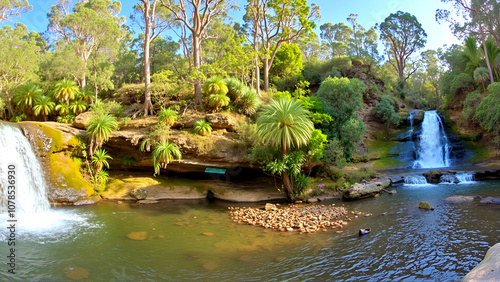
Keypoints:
pixel 425 206
pixel 64 174
pixel 44 139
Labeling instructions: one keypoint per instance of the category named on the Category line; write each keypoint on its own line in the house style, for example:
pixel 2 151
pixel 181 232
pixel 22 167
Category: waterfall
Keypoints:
pixel 19 160
pixel 409 133
pixel 434 149
pixel 415 179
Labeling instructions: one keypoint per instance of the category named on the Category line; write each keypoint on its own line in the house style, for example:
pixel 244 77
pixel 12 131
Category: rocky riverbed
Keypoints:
pixel 304 219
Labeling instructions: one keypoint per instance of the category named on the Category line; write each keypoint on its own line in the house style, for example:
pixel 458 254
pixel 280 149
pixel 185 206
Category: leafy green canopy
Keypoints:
pixel 403 35
pixel 340 98
pixel 385 109
pixel 488 111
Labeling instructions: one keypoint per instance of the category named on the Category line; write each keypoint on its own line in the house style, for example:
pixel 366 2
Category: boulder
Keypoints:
pixel 139 194
pixel 449 178
pixel 368 189
pixel 434 176
pixel 459 199
pixel 488 269
pixel 490 200
pixel 220 121
pixel 82 120
pixel 87 201
pixel 270 207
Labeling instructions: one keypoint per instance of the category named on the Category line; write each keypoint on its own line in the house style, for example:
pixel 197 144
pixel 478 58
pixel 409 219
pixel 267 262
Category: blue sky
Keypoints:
pixel 370 13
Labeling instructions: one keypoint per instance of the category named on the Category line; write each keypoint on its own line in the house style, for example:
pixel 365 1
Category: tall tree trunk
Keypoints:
pixel 256 16
pixel 484 48
pixel 490 72
pixel 95 78
pixel 197 64
pixel 287 183
pixel 266 74
pixel 148 106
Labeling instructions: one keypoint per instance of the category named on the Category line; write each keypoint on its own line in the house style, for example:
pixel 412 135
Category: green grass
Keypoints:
pixel 479 152
pixel 379 149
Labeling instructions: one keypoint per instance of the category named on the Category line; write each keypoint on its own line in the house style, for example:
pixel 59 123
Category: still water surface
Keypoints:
pixel 405 243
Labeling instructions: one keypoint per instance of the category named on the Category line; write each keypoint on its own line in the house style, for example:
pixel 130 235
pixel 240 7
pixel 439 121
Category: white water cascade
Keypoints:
pixel 434 149
pixel 28 186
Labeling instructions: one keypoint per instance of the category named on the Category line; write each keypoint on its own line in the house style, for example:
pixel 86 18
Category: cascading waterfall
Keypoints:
pixel 434 149
pixel 30 185
pixel 409 133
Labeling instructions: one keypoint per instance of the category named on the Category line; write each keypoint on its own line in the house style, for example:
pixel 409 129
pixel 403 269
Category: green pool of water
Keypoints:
pixel 197 240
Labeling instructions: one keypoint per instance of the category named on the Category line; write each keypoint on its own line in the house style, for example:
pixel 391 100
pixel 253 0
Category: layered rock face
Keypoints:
pixel 57 150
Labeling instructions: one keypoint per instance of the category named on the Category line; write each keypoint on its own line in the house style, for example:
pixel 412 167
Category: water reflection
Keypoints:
pixel 198 241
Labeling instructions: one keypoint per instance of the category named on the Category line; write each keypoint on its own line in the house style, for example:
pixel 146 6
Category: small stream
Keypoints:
pixel 196 240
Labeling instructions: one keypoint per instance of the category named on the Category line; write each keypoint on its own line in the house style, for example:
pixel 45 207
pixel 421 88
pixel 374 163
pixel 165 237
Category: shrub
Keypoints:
pixel 385 109
pixel 236 88
pixel 481 75
pixel 356 176
pixel 340 98
pixel 334 154
pixel 168 116
pixel 164 153
pixel 216 101
pixel 247 134
pixel 462 82
pixel 249 102
pixel 112 107
pixel 215 85
pixel 488 111
pixel 26 95
pixel 99 129
pixel 470 104
pixel 202 127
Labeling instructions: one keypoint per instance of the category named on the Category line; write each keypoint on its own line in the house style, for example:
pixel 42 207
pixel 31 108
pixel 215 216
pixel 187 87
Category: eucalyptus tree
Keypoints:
pixel 227 50
pixel 153 21
pixel 195 15
pixel 20 60
pixel 281 21
pixel 337 37
pixel 9 8
pixel 285 125
pixel 403 36
pixel 90 26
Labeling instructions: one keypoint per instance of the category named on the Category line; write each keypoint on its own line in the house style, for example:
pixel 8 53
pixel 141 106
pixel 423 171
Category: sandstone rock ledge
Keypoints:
pixel 488 269
pixel 121 185
pixel 366 189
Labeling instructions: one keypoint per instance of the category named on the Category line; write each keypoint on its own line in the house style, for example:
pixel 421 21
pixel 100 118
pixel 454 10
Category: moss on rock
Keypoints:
pixel 64 173
pixel 425 206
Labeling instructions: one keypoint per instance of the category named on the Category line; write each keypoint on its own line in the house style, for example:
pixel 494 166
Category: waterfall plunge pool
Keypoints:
pixel 196 240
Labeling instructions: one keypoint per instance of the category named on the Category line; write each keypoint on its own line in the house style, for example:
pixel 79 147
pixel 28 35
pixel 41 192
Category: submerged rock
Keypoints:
pixel 76 273
pixel 210 265
pixel 137 236
pixel 425 206
pixel 488 269
pixel 490 200
pixel 459 199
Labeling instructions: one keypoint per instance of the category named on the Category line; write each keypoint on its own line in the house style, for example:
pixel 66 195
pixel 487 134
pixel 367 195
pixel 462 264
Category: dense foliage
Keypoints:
pixel 341 97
